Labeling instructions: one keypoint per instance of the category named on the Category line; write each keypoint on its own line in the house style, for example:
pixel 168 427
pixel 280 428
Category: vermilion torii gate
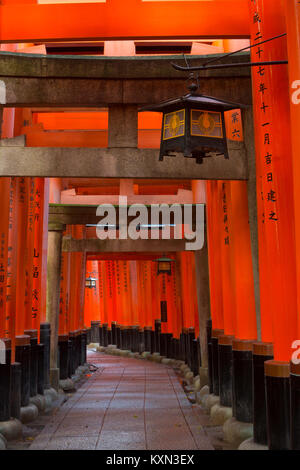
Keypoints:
pixel 249 333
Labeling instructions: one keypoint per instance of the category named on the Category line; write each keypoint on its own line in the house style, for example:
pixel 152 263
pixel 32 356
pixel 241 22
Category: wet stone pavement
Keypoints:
pixel 127 404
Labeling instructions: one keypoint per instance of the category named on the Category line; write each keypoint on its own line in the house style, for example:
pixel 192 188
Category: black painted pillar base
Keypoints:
pixel 77 348
pixel 277 381
pixel 209 354
pixel 157 331
pixel 169 345
pixel 109 336
pixel 176 348
pixel 83 347
pixel 23 357
pixel 141 341
pixel 45 340
pixel 135 339
pixel 101 337
pixel 70 362
pixel 15 391
pixel 195 357
pixel 164 344
pixel 34 354
pixel 89 335
pixel 225 369
pixel 41 377
pixel 147 338
pixel 295 406
pixel 95 331
pixel 105 336
pixel 242 380
pixel 261 352
pixel 113 333
pixel 190 338
pixel 215 360
pixel 182 346
pixel 72 353
pixel 5 381
pixel 63 347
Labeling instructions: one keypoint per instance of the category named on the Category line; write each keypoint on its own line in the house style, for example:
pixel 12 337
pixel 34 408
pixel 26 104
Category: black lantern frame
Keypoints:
pixel 194 125
pixel 164 265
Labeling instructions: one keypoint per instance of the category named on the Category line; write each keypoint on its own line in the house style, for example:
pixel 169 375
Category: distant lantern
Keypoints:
pixel 164 265
pixel 194 125
pixel 90 282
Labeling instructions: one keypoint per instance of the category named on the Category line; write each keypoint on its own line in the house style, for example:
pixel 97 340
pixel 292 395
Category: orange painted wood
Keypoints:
pixel 225 241
pixel 242 271
pixel 117 19
pixel 11 293
pixel 5 184
pixel 274 156
pixel 22 208
pixel 92 295
pixel 292 17
pixel 214 254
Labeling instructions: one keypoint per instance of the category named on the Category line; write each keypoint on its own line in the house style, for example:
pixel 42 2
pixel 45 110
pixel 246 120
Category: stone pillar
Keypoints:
pixel 123 126
pixel 55 231
pixel 202 283
pixel 45 340
pixel 247 116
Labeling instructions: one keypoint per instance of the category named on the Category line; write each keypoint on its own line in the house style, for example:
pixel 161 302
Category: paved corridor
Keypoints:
pixel 127 404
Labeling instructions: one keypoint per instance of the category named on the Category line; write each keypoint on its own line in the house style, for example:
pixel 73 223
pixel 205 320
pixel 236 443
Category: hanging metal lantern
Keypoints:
pixel 90 282
pixel 164 265
pixel 194 125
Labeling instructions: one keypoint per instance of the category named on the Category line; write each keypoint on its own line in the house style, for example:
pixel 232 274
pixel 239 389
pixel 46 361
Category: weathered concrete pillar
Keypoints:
pixel 202 282
pixel 123 126
pixel 247 116
pixel 55 231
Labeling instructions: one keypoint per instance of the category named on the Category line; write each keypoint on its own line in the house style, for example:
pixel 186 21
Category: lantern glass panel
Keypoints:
pixel 164 266
pixel 174 125
pixel 206 123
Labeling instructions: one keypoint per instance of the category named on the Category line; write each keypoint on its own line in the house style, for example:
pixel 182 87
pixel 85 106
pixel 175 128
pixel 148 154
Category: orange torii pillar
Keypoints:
pixel 145 306
pixel 271 106
pixel 76 317
pixel 172 320
pixel 23 291
pixel 105 292
pixel 135 306
pixel 64 308
pixel 235 346
pixel 109 307
pixel 292 17
pixel 92 301
pixel 156 313
pixel 190 309
pixel 5 335
pixel 125 288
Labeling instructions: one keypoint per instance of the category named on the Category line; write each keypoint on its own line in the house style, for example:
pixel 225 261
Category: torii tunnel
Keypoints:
pixel 102 319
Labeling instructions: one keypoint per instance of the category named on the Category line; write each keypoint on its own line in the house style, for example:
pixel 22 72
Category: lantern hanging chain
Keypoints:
pixel 205 66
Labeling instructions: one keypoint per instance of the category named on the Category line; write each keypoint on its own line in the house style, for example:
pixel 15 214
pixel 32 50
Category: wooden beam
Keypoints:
pixel 119 19
pixel 96 246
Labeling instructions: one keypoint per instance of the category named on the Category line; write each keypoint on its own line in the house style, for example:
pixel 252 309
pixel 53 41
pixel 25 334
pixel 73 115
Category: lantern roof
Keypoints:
pixel 193 99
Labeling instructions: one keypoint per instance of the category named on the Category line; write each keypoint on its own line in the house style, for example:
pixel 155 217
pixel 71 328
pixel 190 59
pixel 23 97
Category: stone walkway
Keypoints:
pixel 127 404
